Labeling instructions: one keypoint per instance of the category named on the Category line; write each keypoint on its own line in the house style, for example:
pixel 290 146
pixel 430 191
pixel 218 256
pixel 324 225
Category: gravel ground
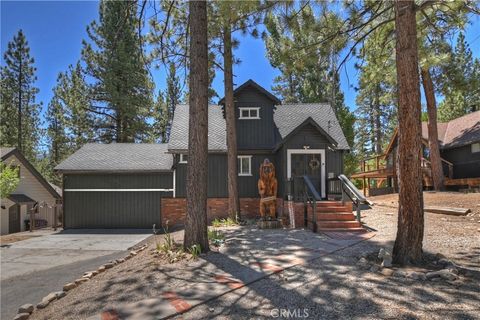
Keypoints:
pixel 330 287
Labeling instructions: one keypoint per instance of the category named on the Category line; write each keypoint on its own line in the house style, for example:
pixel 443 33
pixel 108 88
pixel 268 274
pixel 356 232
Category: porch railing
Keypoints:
pixel 310 197
pixel 350 191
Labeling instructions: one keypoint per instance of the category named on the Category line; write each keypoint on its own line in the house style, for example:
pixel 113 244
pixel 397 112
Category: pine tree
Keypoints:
pixel 173 94
pixel 58 146
pixel 122 91
pixel 19 113
pixel 460 83
pixel 160 119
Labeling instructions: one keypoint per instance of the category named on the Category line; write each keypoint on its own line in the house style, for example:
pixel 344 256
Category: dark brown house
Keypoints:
pixel 137 185
pixel 459 142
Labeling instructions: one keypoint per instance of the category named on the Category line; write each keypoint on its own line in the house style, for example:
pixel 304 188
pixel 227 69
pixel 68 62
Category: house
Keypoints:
pixel 459 142
pixel 32 189
pixel 138 185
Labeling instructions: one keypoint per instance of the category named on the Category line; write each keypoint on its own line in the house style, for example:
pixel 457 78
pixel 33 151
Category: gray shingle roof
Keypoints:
pixel 287 117
pixel 119 157
pixel 217 136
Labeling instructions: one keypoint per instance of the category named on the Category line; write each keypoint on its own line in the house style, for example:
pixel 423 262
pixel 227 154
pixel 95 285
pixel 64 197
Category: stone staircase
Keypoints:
pixel 334 216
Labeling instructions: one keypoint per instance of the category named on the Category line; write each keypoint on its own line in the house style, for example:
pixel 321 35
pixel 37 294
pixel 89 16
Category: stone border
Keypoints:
pixel 26 310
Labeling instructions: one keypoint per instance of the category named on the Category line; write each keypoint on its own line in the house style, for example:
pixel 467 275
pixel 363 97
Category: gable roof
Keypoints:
pixel 119 157
pixel 251 83
pixel 6 152
pixel 217 136
pixel 288 117
pixel 455 133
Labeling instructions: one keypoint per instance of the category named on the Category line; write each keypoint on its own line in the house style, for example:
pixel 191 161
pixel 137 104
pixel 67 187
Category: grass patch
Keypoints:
pixel 228 222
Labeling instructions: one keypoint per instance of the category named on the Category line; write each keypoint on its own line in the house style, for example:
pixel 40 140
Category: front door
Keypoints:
pixel 307 164
pixel 14 219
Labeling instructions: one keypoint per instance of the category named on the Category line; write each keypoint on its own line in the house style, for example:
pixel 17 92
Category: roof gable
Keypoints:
pixel 289 117
pixel 252 84
pixel 8 152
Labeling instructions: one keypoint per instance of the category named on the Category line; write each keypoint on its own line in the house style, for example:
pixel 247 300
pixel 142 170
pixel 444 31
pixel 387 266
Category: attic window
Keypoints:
pixel 249 113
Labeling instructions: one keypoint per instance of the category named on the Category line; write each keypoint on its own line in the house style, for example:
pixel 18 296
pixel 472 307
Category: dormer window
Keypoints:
pixel 249 113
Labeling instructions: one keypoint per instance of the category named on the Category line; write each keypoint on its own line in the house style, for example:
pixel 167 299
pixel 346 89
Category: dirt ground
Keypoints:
pixel 330 287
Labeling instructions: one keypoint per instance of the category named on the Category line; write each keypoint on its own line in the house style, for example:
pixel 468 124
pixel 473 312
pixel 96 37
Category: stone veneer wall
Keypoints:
pixel 174 209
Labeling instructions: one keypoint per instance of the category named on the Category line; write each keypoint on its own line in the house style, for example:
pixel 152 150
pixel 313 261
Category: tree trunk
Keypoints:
pixel 435 160
pixel 196 219
pixel 233 201
pixel 19 132
pixel 408 243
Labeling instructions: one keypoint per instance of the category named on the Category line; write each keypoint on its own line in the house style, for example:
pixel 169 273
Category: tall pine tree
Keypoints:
pixel 19 113
pixel 121 93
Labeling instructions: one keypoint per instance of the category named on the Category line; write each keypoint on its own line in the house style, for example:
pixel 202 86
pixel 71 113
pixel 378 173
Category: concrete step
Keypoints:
pixel 338 224
pixel 335 216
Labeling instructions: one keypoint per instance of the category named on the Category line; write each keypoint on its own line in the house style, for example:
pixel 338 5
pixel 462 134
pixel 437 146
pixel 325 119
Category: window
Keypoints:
pixel 244 165
pixel 475 147
pixel 183 158
pixel 249 113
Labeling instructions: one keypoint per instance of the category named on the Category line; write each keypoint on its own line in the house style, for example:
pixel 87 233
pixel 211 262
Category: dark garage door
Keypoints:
pixel 101 206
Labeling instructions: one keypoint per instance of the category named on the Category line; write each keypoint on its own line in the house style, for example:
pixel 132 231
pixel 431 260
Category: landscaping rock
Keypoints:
pixel 417 275
pixel 386 256
pixel 444 274
pixel 69 286
pixel 127 257
pixel 374 268
pixel 108 265
pixel 26 308
pixel 88 275
pixel 22 316
pixel 120 260
pixel 399 274
pixel 60 294
pixel 133 253
pixel 50 297
pixel 81 280
pixel 387 272
pixel 43 304
pixel 101 269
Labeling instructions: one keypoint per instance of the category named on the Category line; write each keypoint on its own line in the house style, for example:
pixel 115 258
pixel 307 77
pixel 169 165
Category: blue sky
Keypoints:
pixel 55 30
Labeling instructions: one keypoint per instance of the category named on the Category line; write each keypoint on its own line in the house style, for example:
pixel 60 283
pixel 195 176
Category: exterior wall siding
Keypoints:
pixel 110 209
pixel 465 163
pixel 255 133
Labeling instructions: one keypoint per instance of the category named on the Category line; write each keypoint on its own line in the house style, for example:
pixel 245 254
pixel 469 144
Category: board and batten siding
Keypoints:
pixel 255 133
pixel 107 208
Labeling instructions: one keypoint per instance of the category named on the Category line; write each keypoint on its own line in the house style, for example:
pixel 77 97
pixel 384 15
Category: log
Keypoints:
pixel 447 210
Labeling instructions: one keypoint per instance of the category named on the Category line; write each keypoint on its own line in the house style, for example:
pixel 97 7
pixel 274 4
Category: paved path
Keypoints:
pixel 248 256
pixel 30 269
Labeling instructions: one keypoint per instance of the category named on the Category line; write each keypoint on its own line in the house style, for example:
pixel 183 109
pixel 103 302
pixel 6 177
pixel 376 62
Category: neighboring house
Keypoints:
pixel 459 142
pixel 31 189
pixel 137 185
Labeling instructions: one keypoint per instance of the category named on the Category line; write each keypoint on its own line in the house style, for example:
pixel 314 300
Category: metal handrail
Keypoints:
pixel 312 199
pixel 357 198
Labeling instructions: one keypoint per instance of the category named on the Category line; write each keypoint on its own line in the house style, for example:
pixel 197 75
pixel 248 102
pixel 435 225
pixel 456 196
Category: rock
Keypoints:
pixel 81 280
pixel 50 297
pixel 444 274
pixel 363 263
pixel 22 316
pixel 88 275
pixel 42 304
pixel 60 294
pixel 386 256
pixel 120 260
pixel 211 309
pixel 69 286
pixel 374 268
pixel 101 269
pixel 417 275
pixel 133 253
pixel 399 274
pixel 387 272
pixel 127 257
pixel 108 265
pixel 26 308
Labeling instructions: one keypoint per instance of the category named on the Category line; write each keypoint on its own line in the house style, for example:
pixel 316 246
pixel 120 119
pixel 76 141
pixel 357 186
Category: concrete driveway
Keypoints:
pixel 32 268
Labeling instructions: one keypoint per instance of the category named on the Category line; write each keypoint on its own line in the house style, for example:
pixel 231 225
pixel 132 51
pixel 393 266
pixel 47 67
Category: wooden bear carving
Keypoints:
pixel 267 187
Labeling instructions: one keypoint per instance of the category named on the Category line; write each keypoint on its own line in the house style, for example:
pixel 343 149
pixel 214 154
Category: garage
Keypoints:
pixel 116 186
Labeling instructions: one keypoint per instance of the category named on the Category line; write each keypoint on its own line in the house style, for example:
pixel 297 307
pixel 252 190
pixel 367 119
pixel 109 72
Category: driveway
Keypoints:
pixel 32 268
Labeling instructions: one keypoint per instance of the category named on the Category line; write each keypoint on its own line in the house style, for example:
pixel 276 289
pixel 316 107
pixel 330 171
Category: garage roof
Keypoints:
pixel 118 157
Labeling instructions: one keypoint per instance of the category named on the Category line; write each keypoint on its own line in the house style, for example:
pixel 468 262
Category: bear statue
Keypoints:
pixel 267 188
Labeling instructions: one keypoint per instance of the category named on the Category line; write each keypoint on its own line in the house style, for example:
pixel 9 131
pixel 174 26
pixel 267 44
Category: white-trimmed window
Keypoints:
pixel 244 165
pixel 475 147
pixel 183 158
pixel 249 113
